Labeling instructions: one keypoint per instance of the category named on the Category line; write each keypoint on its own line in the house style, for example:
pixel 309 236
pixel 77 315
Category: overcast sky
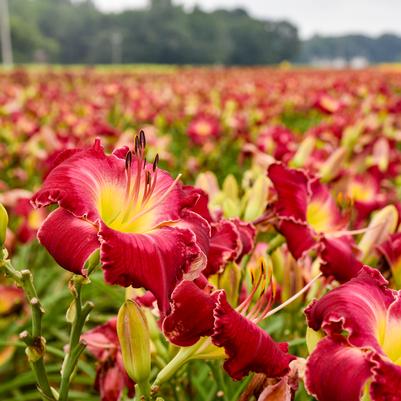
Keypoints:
pixel 311 16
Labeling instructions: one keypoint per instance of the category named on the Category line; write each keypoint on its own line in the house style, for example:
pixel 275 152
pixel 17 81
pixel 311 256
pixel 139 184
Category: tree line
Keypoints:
pixel 76 32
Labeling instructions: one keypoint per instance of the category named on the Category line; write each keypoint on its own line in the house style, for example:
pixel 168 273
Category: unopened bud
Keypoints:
pixel 230 208
pixel 380 227
pixel 230 281
pixel 257 199
pixel 230 187
pixel 3 224
pixel 304 151
pixel 92 262
pixel 350 137
pixel 134 337
pixel 332 166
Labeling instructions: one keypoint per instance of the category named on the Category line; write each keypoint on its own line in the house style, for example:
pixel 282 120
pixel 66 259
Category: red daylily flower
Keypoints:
pixel 362 347
pixel 203 128
pixel 391 250
pixel 309 218
pixel 130 209
pixel 230 239
pixel 111 377
pixel 196 313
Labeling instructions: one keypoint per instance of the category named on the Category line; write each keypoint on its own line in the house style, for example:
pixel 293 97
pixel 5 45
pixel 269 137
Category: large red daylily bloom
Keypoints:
pixel 308 217
pixel 197 313
pixel 130 209
pixel 111 377
pixel 362 348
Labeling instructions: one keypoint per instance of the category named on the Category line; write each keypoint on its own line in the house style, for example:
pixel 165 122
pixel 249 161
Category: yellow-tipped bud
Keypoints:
pixel 134 337
pixel 380 227
pixel 3 224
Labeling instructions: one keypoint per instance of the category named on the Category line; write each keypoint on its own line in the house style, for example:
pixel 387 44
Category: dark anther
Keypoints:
pixel 128 159
pixel 142 139
pixel 144 163
pixel 136 147
pixel 148 177
pixel 156 162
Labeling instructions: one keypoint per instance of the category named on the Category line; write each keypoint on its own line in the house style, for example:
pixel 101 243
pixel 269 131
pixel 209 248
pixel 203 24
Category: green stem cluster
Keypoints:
pixel 35 342
pixel 75 347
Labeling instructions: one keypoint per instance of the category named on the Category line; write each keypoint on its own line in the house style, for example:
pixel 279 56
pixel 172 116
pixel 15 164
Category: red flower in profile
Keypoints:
pixel 203 128
pixel 361 353
pixel 230 239
pixel 111 377
pixel 308 217
pixel 130 209
pixel 197 312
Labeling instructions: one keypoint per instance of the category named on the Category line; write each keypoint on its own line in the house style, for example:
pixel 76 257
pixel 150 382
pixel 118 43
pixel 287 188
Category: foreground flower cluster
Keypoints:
pixel 277 271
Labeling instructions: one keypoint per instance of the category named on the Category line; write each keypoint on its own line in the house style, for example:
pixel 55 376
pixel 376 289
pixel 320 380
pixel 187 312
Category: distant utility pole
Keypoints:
pixel 6 49
pixel 116 41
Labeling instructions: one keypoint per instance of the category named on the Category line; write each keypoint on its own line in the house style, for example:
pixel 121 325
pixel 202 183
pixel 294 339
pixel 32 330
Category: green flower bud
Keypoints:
pixel 230 187
pixel 304 151
pixel 230 281
pixel 3 224
pixel 257 199
pixel 134 337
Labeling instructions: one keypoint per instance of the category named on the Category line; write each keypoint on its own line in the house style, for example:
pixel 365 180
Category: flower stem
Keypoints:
pixel 35 342
pixel 277 241
pixel 75 347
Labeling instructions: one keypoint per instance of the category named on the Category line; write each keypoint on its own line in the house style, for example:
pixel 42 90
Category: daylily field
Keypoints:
pixel 200 234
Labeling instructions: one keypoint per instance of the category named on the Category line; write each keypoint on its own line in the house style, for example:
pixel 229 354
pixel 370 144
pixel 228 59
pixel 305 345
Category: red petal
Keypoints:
pixel 225 246
pixel 358 306
pixel 298 236
pixel 247 233
pixel 102 341
pixel 110 382
pixel 338 259
pixel 292 191
pixel 156 260
pixel 197 200
pixel 336 371
pixel 249 348
pixel 386 380
pixel 74 184
pixel 191 315
pixel 69 239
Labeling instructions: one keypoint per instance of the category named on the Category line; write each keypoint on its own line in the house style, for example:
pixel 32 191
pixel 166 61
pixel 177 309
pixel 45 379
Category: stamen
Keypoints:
pixel 162 198
pixel 338 234
pixel 155 162
pixel 290 300
pixel 255 286
pixel 151 189
pixel 147 185
pixel 142 139
pixel 128 171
